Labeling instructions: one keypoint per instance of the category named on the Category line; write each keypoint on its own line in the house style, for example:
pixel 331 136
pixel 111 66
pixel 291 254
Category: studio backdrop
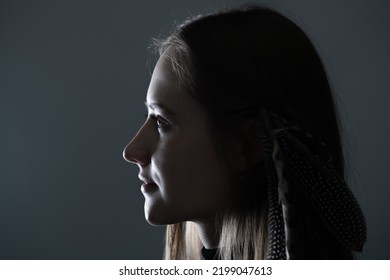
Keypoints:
pixel 73 79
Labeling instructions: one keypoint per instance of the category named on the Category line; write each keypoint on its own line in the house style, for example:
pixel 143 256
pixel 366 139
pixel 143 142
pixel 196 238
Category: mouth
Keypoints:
pixel 148 185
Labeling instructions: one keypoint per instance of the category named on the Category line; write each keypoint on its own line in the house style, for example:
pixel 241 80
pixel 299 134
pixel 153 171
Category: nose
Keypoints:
pixel 138 150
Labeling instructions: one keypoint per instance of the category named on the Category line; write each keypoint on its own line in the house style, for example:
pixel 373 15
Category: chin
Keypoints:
pixel 153 218
pixel 154 222
pixel 157 219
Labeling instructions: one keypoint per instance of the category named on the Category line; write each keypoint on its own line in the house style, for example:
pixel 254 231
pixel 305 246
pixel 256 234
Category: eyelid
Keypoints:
pixel 161 124
pixel 157 117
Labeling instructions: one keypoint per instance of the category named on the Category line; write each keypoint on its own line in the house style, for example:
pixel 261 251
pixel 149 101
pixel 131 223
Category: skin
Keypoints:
pixel 174 149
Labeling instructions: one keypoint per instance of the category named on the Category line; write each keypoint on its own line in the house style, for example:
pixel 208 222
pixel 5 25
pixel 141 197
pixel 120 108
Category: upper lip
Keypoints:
pixel 145 180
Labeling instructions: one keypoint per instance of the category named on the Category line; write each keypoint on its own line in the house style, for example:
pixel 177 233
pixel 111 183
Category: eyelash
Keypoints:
pixel 161 125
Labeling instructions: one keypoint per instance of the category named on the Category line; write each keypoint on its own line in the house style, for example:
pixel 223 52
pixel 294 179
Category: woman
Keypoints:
pixel 241 153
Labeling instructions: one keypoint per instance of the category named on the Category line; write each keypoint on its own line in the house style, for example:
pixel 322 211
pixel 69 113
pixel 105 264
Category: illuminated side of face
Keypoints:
pixel 174 150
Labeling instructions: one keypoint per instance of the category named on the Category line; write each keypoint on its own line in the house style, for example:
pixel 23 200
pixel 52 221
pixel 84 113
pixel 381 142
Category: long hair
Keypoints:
pixel 233 63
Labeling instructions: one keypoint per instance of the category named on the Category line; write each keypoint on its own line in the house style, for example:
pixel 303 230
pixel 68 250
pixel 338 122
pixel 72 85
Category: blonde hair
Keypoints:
pixel 243 237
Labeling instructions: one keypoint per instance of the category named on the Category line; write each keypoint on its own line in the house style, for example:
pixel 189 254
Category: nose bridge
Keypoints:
pixel 138 150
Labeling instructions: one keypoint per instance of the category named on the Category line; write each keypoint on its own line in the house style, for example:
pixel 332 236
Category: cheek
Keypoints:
pixel 191 175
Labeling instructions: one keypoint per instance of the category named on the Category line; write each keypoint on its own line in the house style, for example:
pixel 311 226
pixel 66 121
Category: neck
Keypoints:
pixel 208 234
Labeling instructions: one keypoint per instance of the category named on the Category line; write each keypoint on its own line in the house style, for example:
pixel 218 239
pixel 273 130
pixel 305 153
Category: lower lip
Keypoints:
pixel 149 187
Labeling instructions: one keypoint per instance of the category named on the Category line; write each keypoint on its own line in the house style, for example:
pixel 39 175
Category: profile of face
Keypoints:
pixel 184 179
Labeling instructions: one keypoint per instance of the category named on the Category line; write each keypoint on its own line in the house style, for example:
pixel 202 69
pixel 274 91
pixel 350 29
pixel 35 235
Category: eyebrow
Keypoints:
pixel 160 107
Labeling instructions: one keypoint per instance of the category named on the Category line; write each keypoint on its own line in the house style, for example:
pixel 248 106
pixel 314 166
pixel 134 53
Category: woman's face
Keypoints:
pixel 174 150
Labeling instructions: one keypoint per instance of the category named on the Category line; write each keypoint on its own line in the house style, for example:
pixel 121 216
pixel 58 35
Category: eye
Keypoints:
pixel 161 124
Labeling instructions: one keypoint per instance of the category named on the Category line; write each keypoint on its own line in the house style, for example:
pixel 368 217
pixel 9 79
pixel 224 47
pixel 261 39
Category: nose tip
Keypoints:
pixel 126 155
pixel 138 150
pixel 135 155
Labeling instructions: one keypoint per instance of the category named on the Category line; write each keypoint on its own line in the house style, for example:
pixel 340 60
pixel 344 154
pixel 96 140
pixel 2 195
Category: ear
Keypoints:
pixel 249 147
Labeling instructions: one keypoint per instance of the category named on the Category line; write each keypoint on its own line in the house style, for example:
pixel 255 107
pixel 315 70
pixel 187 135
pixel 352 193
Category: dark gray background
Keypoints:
pixel 73 77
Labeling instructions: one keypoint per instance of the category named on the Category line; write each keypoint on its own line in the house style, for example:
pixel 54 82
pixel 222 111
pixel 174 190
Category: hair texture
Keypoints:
pixel 234 63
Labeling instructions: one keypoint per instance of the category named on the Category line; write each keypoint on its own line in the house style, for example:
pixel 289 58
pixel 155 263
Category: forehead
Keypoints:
pixel 164 86
pixel 163 76
pixel 165 90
